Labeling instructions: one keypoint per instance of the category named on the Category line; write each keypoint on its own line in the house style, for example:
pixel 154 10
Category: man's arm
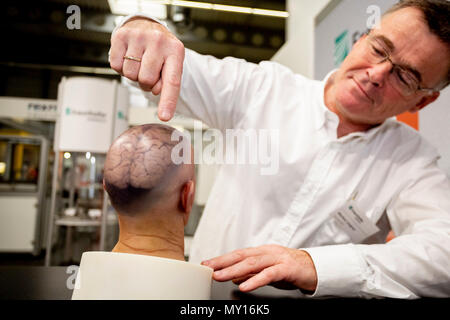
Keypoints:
pixel 414 264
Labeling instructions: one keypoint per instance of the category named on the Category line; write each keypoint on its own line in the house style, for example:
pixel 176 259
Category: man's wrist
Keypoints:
pixel 310 284
pixel 139 16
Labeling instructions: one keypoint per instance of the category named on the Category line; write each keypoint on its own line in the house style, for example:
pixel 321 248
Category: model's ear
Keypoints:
pixel 425 101
pixel 187 199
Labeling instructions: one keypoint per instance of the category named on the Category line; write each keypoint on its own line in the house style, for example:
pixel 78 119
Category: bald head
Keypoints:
pixel 139 172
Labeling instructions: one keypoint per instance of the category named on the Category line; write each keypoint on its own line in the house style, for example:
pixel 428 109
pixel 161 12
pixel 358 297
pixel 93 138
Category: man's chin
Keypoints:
pixel 354 113
pixel 353 107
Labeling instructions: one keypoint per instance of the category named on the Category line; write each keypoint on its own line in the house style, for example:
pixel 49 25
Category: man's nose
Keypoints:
pixel 379 73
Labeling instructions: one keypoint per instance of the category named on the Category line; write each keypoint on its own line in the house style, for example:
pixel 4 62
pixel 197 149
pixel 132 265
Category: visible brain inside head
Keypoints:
pixel 140 157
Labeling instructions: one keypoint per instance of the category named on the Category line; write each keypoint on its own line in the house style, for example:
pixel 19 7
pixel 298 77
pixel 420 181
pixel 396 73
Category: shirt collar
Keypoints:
pixel 321 115
pixel 367 135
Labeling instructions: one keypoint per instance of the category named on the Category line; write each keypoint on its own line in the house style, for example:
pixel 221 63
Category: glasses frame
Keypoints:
pixel 387 57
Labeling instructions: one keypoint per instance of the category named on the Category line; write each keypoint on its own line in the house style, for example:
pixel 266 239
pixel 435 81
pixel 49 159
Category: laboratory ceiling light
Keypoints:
pixel 158 8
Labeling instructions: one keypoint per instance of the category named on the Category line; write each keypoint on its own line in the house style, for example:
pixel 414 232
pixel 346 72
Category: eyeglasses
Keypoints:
pixel 400 78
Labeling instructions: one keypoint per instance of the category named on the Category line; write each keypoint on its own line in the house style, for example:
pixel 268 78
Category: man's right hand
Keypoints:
pixel 161 65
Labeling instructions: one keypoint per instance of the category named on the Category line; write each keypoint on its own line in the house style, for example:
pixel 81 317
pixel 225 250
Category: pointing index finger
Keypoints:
pixel 171 83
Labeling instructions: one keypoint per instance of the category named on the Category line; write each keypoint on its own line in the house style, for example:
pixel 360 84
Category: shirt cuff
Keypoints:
pixel 143 15
pixel 339 270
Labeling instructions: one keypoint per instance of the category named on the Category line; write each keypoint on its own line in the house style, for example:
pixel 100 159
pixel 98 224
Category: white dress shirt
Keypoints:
pixel 390 172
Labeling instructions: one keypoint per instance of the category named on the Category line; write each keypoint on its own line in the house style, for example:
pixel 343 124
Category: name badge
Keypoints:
pixel 352 221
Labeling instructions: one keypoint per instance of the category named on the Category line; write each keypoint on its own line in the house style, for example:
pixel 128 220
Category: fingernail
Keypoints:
pixel 165 115
pixel 205 263
pixel 243 286
pixel 218 273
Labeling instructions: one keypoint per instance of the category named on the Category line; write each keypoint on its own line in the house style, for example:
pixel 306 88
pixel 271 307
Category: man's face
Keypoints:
pixel 362 92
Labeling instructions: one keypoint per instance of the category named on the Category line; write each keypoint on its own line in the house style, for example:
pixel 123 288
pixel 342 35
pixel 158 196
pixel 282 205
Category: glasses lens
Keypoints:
pixel 404 80
pixel 377 53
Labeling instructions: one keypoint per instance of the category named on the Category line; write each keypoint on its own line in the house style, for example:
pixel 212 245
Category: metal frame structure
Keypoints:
pixel 53 208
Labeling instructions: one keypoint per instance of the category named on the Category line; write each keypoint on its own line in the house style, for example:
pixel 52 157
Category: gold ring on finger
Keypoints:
pixel 132 58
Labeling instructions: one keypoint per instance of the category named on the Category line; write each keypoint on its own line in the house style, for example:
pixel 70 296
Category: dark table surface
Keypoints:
pixel 52 283
pixel 33 290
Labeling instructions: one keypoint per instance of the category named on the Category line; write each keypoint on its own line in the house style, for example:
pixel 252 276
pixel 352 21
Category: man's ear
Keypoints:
pixel 187 199
pixel 425 101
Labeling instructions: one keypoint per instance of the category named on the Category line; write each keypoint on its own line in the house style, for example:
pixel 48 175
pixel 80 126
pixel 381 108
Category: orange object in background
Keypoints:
pixel 390 236
pixel 411 119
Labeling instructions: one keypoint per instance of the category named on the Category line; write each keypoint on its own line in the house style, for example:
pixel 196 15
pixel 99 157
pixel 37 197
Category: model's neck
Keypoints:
pixel 154 237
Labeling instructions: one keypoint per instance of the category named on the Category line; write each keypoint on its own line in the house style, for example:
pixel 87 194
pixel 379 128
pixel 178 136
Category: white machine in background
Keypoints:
pixel 91 113
pixel 23 175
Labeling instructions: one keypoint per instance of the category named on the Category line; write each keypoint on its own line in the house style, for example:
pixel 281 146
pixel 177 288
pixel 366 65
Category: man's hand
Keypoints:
pixel 161 65
pixel 282 267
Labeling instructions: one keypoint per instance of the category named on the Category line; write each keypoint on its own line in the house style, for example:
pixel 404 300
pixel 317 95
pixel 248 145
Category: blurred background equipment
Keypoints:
pixel 23 173
pixel 92 113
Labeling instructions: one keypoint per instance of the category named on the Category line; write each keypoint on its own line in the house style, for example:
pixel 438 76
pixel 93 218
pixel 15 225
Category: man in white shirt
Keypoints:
pixel 348 172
